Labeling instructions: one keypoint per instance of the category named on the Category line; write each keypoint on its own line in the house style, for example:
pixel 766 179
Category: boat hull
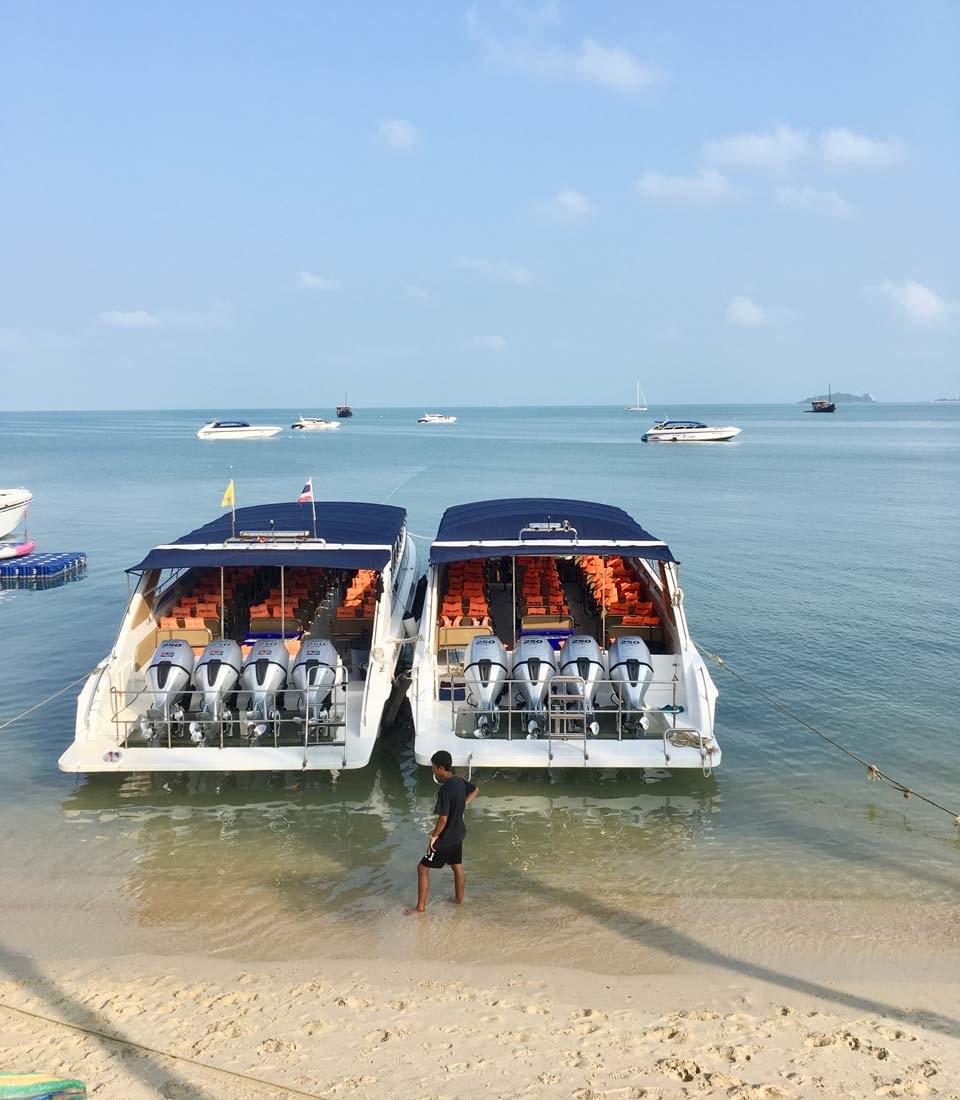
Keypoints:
pixel 13 507
pixel 265 432
pixel 691 435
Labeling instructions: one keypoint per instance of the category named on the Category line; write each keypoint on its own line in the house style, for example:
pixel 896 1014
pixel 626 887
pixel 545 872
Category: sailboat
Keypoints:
pixel 641 403
pixel 818 405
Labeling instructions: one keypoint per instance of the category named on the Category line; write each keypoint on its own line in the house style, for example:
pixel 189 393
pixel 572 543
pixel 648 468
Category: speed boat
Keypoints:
pixel 267 641
pixel 436 418
pixel 13 508
pixel 314 424
pixel 236 429
pixel 553 634
pixel 688 431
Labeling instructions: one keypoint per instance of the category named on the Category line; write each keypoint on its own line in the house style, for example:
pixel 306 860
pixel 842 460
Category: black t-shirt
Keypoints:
pixel 451 802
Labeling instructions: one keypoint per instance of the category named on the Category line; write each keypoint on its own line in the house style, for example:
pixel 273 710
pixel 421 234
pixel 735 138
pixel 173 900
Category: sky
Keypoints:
pixel 252 205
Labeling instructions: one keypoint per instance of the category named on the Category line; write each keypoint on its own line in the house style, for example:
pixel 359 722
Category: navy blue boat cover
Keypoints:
pixel 502 528
pixel 349 536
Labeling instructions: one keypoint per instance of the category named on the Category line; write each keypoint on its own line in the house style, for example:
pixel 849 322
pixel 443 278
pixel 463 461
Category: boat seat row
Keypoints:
pixel 465 602
pixel 541 590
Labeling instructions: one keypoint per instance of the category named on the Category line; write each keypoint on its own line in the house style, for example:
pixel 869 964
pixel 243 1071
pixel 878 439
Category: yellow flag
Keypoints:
pixel 229 496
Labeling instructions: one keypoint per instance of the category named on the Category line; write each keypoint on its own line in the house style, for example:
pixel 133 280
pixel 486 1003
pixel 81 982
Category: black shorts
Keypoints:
pixel 448 854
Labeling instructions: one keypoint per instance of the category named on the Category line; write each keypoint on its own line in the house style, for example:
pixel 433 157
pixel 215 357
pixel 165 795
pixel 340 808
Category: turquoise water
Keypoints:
pixel 820 557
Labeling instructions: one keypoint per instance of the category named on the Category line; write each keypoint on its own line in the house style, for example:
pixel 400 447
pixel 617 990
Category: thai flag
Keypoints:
pixel 306 493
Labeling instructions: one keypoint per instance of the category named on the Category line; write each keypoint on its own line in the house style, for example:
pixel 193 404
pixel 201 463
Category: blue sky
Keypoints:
pixel 433 203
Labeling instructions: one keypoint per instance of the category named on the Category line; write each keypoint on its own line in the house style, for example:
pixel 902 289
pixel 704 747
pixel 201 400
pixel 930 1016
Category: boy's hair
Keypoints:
pixel 442 759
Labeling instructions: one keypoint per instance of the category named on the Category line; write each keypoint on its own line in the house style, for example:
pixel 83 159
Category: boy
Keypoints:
pixel 445 845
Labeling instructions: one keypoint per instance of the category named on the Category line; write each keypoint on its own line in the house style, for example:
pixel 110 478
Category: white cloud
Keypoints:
pixel 133 318
pixel 920 304
pixel 416 293
pixel 745 312
pixel 592 63
pixel 309 280
pixel 398 133
pixel 490 343
pixel 708 186
pixel 508 273
pixel 568 205
pixel 774 150
pixel 845 147
pixel 814 201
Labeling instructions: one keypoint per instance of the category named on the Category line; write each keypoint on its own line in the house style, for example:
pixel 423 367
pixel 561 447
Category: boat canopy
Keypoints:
pixel 680 424
pixel 349 536
pixel 543 527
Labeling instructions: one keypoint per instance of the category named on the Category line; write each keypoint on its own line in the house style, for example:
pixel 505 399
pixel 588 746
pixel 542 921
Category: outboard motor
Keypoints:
pixel 534 666
pixel 582 656
pixel 168 677
pixel 631 671
pixel 264 675
pixel 485 676
pixel 216 675
pixel 315 674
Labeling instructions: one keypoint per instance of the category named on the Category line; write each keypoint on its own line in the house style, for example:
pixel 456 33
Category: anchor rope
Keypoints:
pixel 873 772
pixel 43 702
pixel 259 1081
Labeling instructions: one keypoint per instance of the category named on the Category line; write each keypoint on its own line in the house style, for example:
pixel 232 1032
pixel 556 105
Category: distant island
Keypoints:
pixel 948 399
pixel 846 398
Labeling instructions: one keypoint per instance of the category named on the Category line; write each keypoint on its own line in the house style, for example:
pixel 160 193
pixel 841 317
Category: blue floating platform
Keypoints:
pixel 43 567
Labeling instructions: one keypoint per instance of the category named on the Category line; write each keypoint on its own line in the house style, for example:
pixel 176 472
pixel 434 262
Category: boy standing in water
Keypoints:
pixel 445 846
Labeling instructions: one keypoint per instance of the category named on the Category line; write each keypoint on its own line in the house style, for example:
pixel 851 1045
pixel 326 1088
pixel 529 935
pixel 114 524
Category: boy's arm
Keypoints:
pixel 471 795
pixel 437 830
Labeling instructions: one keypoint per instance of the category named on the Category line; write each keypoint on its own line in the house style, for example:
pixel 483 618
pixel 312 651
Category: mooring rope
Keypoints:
pixel 873 772
pixel 43 702
pixel 249 1078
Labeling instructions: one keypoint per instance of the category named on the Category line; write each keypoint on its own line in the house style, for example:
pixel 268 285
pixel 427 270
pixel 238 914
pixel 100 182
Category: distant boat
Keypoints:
pixel 314 424
pixel 237 429
pixel 344 410
pixel 688 431
pixel 641 403
pixel 818 405
pixel 436 418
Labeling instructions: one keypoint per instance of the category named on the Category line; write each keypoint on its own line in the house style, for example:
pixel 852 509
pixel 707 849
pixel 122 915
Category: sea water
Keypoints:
pixel 820 556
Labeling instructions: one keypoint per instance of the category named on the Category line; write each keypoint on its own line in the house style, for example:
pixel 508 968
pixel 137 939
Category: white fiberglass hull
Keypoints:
pixel 436 418
pixel 316 425
pixel 691 435
pixel 13 507
pixel 253 432
pixel 113 700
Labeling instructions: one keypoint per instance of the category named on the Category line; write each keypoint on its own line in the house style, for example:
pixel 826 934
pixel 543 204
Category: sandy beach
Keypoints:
pixel 375 1029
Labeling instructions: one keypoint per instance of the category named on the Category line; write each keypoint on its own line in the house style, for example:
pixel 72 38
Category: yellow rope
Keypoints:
pixel 873 772
pixel 259 1081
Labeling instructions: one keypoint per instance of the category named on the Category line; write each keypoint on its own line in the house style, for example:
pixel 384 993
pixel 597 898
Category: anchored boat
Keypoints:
pixel 237 429
pixel 436 418
pixel 553 634
pixel 688 431
pixel 265 641
pixel 314 424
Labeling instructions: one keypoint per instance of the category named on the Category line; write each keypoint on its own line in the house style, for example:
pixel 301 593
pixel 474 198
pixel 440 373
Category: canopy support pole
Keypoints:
pixel 283 607
pixel 221 602
pixel 603 605
pixel 513 588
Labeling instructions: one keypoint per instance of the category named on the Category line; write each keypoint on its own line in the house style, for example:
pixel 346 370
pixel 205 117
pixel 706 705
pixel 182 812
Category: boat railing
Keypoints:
pixel 143 717
pixel 574 710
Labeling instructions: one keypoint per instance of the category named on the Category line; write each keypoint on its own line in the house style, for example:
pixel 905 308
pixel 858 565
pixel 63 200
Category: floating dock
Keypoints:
pixel 43 567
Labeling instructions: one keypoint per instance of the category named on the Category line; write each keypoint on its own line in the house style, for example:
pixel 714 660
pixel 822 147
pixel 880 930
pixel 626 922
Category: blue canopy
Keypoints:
pixel 349 536
pixel 528 525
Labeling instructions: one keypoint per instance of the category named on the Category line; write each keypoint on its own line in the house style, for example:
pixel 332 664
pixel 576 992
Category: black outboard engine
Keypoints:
pixel 485 676
pixel 631 671
pixel 168 677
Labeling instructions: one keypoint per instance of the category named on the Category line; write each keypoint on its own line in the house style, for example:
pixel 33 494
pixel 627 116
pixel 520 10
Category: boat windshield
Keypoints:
pixel 229 424
pixel 680 424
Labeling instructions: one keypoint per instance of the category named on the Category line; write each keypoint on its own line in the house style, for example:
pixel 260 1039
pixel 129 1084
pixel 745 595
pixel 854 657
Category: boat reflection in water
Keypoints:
pixel 296 866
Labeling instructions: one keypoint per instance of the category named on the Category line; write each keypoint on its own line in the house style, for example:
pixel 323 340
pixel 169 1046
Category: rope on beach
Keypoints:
pixel 873 772
pixel 249 1078
pixel 43 702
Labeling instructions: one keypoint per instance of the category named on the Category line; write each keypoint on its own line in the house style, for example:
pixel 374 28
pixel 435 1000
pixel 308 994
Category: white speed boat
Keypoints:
pixel 237 429
pixel 553 635
pixel 688 431
pixel 436 418
pixel 264 641
pixel 314 424
pixel 13 508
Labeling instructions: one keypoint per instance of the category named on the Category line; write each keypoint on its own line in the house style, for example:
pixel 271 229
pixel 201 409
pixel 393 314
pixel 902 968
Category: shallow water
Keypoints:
pixel 819 557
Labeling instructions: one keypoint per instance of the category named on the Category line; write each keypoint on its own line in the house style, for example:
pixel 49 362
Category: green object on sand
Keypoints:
pixel 39 1086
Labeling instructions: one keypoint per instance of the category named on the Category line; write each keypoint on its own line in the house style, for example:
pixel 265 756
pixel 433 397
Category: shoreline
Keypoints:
pixel 382 1029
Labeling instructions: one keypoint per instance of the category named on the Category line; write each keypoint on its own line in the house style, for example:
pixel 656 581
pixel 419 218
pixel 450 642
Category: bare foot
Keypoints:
pixel 414 910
